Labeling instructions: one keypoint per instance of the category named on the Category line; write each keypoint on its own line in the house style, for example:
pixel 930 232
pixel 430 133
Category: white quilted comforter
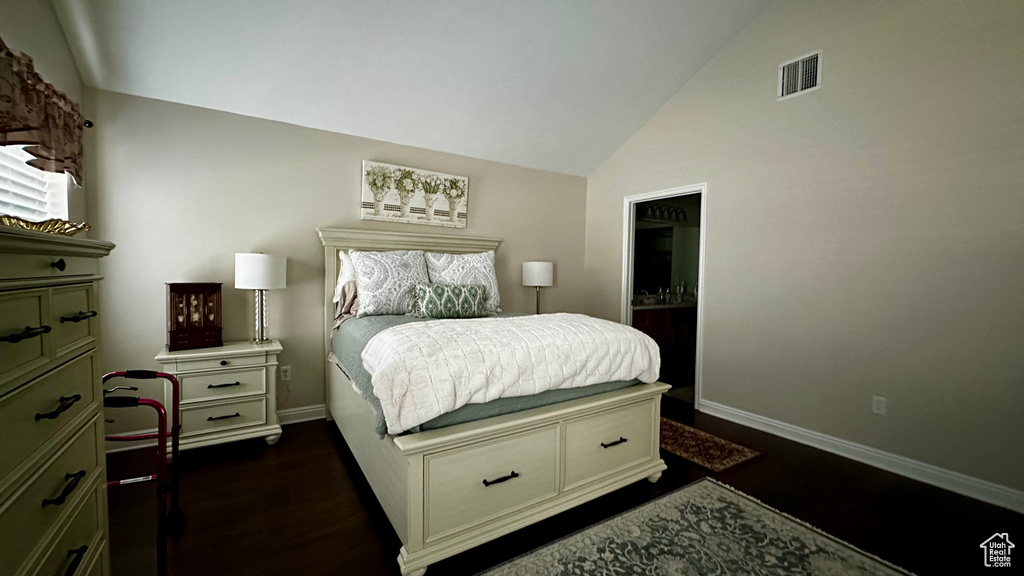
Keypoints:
pixel 421 370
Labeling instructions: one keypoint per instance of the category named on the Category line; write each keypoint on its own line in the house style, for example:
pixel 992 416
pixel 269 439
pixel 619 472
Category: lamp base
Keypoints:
pixel 538 300
pixel 262 321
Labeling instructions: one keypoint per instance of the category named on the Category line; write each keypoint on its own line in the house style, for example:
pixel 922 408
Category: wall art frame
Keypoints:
pixel 392 193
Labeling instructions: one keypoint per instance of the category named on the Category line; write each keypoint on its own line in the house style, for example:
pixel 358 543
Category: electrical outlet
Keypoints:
pixel 286 373
pixel 878 405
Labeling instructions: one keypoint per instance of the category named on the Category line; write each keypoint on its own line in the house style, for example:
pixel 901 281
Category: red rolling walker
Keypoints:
pixel 169 514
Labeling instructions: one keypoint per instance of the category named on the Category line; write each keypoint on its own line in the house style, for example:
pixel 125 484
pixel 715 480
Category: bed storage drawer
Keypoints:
pixel 518 471
pixel 47 496
pixel 33 414
pixel 602 443
pixel 223 416
pixel 223 384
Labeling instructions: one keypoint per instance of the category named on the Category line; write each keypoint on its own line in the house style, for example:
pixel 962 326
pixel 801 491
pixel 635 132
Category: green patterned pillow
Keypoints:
pixel 441 301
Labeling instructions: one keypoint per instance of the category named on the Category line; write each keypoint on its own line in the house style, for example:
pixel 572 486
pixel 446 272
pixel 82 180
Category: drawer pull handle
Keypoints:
pixel 59 264
pixel 74 479
pixel 621 440
pixel 28 332
pixel 77 554
pixel 79 317
pixel 212 418
pixel 66 402
pixel 223 362
pixel 212 386
pixel 502 479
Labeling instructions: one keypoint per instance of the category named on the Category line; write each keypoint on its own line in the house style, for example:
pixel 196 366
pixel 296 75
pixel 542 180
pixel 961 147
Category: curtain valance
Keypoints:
pixel 35 113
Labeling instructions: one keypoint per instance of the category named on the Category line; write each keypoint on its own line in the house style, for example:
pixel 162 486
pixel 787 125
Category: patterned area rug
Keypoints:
pixel 702 448
pixel 705 528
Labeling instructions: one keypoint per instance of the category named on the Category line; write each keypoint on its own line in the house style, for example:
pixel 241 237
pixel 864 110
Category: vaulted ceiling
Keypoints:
pixel 555 85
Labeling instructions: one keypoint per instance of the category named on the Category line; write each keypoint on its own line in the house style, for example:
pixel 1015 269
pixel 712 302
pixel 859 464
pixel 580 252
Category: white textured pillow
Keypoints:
pixel 385 280
pixel 464 270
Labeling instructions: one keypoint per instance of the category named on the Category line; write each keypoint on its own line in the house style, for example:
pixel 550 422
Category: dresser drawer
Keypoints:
pixel 33 510
pixel 22 433
pixel 97 567
pixel 212 363
pixel 74 317
pixel 602 443
pixel 223 416
pixel 457 497
pixel 83 533
pixel 17 266
pixel 21 309
pixel 223 384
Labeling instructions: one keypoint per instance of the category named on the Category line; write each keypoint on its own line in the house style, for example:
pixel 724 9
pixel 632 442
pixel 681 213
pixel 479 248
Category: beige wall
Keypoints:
pixel 865 239
pixel 181 189
pixel 31 26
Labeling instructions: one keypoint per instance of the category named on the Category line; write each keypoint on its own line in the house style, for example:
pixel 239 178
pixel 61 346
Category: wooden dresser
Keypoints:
pixel 53 507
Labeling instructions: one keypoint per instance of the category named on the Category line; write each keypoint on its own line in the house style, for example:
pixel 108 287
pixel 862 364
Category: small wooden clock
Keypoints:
pixel 193 315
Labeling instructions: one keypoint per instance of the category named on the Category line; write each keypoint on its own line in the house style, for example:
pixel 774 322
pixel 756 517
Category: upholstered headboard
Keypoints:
pixel 336 239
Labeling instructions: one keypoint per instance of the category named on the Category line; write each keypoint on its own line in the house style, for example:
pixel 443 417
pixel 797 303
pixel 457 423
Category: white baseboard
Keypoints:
pixel 289 416
pixel 953 481
pixel 302 414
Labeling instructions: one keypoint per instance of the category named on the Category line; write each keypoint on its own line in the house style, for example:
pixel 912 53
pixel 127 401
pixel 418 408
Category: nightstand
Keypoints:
pixel 228 392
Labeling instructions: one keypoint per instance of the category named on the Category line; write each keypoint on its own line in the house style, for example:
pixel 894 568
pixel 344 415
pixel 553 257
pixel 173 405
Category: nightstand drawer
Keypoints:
pixel 228 362
pixel 83 532
pixel 74 317
pixel 223 384
pixel 602 443
pixel 24 316
pixel 62 393
pixel 223 416
pixel 38 506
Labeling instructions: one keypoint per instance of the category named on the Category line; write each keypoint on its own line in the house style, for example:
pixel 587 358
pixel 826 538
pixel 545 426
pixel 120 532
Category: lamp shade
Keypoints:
pixel 260 271
pixel 538 273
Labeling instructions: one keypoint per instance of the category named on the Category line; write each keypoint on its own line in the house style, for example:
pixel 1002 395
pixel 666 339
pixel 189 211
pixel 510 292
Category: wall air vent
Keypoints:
pixel 799 76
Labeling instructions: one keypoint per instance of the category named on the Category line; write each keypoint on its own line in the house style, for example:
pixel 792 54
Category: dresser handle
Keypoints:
pixel 621 440
pixel 78 554
pixel 212 418
pixel 502 479
pixel 66 402
pixel 223 362
pixel 79 317
pixel 28 332
pixel 212 386
pixel 59 264
pixel 68 488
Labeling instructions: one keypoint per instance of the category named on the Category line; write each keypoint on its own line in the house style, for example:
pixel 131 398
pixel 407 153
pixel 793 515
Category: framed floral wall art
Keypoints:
pixel 401 194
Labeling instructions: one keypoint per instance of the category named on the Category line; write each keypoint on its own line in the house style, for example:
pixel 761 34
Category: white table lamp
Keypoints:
pixel 260 272
pixel 538 274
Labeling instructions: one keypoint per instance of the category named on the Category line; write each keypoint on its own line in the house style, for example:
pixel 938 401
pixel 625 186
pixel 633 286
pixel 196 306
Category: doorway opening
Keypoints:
pixel 662 276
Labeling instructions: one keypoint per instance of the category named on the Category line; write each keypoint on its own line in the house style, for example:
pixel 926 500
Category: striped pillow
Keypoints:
pixel 443 301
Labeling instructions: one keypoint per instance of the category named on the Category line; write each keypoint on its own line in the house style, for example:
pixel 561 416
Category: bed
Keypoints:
pixel 537 462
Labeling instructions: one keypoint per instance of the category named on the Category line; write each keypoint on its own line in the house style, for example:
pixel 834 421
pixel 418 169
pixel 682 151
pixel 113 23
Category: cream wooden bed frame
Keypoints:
pixel 556 445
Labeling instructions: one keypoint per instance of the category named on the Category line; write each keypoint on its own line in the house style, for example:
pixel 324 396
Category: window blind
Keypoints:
pixel 27 192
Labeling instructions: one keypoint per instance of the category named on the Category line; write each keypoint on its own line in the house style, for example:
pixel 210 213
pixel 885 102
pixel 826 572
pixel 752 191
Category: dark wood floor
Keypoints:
pixel 303 507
